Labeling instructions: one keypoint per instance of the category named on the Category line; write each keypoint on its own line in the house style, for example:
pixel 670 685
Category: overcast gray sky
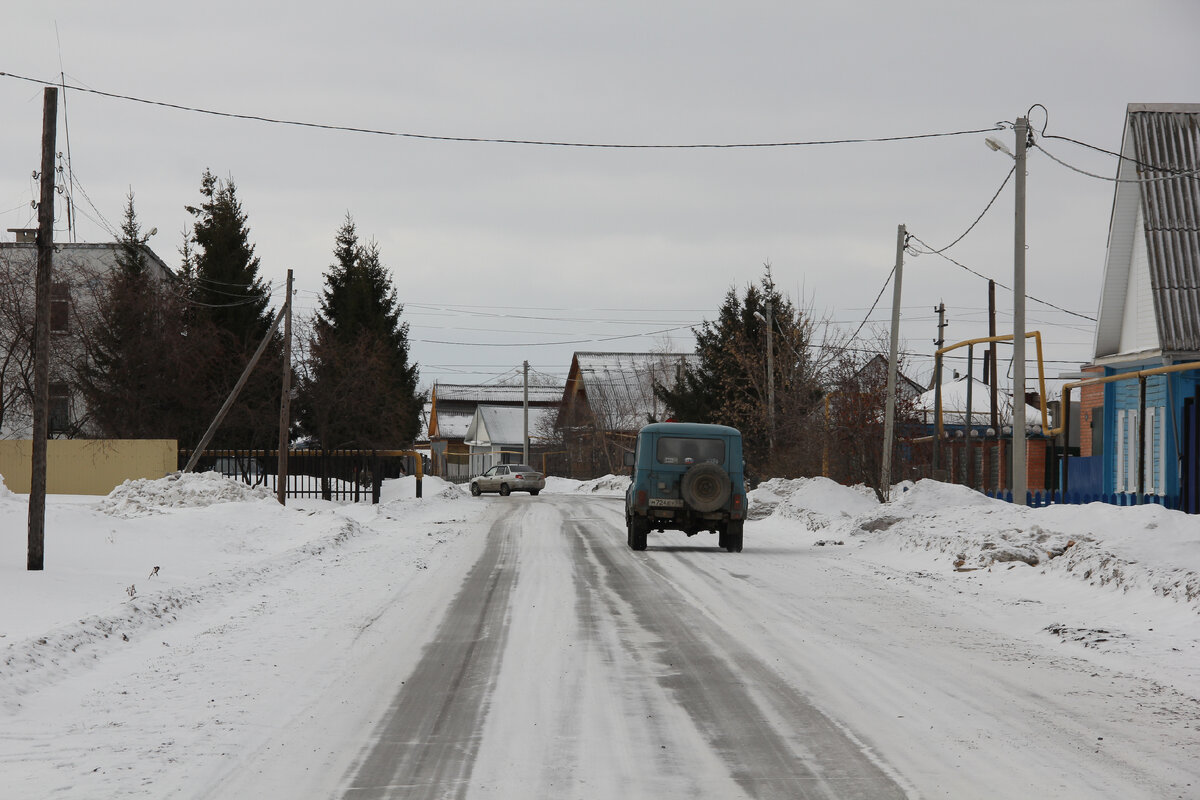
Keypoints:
pixel 515 252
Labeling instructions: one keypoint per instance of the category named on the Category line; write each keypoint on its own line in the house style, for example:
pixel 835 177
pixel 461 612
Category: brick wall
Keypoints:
pixel 1091 402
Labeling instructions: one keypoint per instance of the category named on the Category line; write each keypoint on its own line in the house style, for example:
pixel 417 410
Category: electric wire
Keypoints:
pixel 998 283
pixel 492 140
pixel 872 309
pixel 986 208
pixel 1191 174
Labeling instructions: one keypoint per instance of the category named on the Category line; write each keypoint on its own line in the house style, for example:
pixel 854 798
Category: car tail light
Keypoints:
pixel 642 500
pixel 519 476
pixel 738 501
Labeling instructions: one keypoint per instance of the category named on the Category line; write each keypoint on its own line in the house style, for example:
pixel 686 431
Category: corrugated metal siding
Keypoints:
pixel 1170 140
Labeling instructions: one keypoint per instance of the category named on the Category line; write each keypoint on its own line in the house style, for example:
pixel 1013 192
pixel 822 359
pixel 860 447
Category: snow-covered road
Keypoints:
pixel 515 648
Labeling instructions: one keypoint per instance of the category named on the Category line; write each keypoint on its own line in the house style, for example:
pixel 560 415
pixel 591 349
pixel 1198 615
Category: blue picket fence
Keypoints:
pixel 1047 498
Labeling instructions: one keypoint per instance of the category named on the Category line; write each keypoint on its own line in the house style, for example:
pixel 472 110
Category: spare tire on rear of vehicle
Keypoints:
pixel 705 487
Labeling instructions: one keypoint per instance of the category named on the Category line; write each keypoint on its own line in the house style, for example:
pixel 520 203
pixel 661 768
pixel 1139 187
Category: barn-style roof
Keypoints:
pixel 617 389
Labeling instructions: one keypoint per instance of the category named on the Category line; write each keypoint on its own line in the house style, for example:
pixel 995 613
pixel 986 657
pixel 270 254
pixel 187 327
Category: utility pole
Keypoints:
pixel 770 379
pixel 937 388
pixel 41 336
pixel 1018 450
pixel 525 439
pixel 994 381
pixel 285 399
pixel 889 419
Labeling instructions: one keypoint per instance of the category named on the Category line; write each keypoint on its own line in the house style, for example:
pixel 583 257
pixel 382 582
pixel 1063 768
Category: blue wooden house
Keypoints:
pixel 1149 314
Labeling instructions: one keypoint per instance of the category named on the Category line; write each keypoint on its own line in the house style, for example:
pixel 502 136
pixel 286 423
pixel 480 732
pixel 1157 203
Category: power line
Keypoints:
pixel 998 283
pixel 1191 174
pixel 551 344
pixel 488 140
pixel 980 217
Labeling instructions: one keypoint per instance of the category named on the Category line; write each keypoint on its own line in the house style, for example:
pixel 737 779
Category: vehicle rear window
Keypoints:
pixel 522 468
pixel 673 450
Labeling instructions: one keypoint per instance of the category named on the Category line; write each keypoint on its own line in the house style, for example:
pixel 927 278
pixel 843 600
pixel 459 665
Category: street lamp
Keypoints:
pixel 1018 407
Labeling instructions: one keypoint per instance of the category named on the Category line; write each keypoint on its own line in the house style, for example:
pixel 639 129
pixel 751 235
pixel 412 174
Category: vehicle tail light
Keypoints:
pixel 642 500
pixel 738 501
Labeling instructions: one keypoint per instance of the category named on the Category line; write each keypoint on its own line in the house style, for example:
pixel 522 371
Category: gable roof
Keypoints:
pixel 1150 300
pixel 501 425
pixel 618 388
pixel 452 405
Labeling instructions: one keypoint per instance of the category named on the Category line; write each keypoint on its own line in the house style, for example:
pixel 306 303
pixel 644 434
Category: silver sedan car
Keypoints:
pixel 508 478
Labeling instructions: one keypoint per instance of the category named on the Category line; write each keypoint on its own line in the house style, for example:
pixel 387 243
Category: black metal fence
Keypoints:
pixel 345 475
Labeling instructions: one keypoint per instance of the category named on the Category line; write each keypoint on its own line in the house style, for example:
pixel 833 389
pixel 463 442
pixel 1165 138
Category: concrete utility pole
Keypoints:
pixel 525 439
pixel 889 419
pixel 41 335
pixel 994 381
pixel 285 400
pixel 1018 423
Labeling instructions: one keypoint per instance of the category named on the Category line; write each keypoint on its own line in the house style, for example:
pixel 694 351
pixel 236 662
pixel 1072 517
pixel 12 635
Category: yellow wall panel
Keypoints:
pixel 88 466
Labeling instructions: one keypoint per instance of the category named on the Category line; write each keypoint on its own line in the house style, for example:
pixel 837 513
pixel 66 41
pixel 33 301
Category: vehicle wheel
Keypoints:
pixel 504 490
pixel 638 528
pixel 705 487
pixel 475 490
pixel 722 538
pixel 534 492
pixel 733 537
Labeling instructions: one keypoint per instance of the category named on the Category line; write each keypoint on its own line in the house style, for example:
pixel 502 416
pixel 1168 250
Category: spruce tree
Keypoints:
pixel 228 310
pixel 122 376
pixel 359 389
pixel 226 285
pixel 728 383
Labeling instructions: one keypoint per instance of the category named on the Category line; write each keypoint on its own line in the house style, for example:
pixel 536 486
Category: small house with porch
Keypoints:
pixel 452 408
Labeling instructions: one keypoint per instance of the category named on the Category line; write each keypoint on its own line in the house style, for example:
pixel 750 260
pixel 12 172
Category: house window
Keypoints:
pixel 60 407
pixel 60 307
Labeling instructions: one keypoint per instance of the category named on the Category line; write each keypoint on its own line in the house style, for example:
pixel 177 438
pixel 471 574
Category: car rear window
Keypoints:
pixel 522 468
pixel 674 450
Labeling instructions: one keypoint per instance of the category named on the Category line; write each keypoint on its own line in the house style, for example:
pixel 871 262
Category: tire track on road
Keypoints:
pixel 427 743
pixel 780 748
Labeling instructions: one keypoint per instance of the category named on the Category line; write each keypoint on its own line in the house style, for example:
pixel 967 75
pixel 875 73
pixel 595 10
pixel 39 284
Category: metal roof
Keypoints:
pixel 490 393
pixel 505 425
pixel 1160 140
pixel 1168 138
pixel 619 387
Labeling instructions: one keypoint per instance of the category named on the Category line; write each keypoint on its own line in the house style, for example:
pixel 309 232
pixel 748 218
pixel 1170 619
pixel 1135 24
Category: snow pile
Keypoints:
pixel 143 497
pixel 5 494
pixel 1148 548
pixel 609 484
pixel 817 502
pixel 431 486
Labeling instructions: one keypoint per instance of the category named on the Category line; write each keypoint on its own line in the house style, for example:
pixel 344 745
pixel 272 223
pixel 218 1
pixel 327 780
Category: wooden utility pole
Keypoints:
pixel 285 399
pixel 937 389
pixel 889 418
pixel 525 412
pixel 237 389
pixel 41 335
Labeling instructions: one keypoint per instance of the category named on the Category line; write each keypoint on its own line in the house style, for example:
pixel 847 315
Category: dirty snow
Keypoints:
pixel 179 624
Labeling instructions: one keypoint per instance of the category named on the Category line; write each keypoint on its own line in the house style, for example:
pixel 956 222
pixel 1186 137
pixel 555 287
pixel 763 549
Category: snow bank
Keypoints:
pixel 5 494
pixel 143 497
pixel 817 502
pixel 1146 548
pixel 431 486
pixel 608 485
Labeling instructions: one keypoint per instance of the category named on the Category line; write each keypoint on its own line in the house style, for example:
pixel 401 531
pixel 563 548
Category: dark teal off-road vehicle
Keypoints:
pixel 686 477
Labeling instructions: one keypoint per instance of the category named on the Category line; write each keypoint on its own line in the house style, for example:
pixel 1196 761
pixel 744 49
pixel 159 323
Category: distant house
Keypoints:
pixel 452 408
pixel 607 399
pixel 496 435
pixel 1149 313
pixel 79 275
